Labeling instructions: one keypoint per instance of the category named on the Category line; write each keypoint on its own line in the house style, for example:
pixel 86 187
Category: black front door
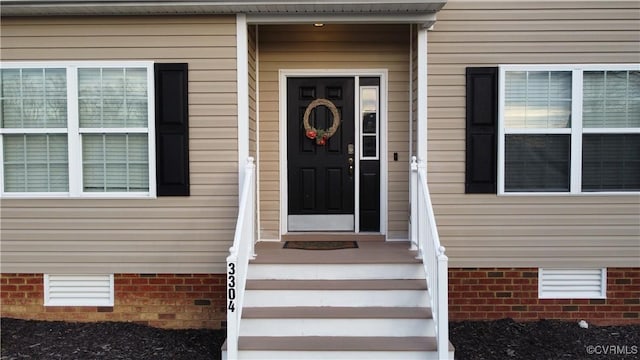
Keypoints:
pixel 320 174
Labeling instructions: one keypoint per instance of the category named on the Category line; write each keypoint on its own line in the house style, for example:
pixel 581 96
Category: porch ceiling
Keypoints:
pixel 346 10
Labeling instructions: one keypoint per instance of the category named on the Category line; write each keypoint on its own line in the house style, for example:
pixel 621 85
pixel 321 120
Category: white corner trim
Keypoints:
pixel 78 290
pixel 257 105
pixel 421 111
pixel 242 66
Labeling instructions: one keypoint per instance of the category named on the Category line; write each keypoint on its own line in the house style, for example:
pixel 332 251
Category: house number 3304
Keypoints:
pixel 231 286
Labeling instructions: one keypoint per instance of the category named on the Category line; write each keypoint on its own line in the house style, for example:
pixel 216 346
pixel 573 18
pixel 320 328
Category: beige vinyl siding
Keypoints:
pixel 163 235
pixel 550 231
pixel 334 47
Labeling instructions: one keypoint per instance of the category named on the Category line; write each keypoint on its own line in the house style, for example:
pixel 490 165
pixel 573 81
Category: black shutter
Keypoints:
pixel 172 130
pixel 482 130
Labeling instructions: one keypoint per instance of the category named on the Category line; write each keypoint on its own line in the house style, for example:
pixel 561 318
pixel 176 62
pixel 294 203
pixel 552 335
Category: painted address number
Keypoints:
pixel 231 286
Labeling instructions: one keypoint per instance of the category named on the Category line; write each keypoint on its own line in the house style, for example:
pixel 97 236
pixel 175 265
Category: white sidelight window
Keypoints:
pixel 77 129
pixel 569 129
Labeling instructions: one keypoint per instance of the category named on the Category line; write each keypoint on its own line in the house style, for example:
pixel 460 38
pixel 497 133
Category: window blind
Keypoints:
pixel 112 97
pixel 35 163
pixel 611 162
pixel 538 99
pixel 115 162
pixel 611 99
pixel 537 162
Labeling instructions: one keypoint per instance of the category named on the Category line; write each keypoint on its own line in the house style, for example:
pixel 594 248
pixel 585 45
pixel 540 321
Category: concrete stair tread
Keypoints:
pixel 330 312
pixel 329 343
pixel 365 284
pixel 368 252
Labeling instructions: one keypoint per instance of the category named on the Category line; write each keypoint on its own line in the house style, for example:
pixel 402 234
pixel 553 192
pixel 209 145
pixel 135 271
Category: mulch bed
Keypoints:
pixel 23 339
pixel 502 339
pixel 544 339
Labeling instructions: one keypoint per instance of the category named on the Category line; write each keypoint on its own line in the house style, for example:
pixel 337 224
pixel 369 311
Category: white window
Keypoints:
pixel 370 126
pixel 572 283
pixel 569 129
pixel 78 290
pixel 77 129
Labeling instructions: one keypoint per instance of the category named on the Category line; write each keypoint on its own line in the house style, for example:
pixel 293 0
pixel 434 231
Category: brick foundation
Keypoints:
pixel 495 293
pixel 171 301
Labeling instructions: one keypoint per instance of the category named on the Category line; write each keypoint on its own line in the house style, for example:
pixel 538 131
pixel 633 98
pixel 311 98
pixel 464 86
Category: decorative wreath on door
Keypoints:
pixel 321 135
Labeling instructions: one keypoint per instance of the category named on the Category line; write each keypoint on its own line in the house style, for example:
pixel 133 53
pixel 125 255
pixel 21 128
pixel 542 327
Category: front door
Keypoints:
pixel 321 154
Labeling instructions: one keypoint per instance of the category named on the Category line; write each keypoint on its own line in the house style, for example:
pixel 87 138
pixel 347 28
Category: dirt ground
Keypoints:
pixel 474 340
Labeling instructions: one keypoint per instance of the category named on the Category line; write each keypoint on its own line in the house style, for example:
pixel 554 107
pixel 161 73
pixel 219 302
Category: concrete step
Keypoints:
pixel 340 348
pixel 317 271
pixel 367 284
pixel 371 252
pixel 338 298
pixel 337 321
pixel 337 313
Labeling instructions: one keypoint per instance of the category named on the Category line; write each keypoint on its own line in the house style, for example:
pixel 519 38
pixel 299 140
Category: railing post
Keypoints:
pixel 232 319
pixel 413 200
pixel 443 304
pixel 242 250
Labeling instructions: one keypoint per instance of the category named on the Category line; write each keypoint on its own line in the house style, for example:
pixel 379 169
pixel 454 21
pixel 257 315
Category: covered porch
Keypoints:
pixel 364 182
pixel 386 45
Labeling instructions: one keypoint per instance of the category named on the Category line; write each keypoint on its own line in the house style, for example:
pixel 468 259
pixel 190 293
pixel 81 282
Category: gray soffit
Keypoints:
pixel 258 11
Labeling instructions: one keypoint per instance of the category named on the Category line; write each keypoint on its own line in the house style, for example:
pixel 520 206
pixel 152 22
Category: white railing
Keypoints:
pixel 242 250
pixel 425 239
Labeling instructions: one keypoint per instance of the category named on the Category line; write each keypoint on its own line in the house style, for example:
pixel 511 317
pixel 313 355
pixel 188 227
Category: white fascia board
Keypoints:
pixel 426 20
pixel 142 7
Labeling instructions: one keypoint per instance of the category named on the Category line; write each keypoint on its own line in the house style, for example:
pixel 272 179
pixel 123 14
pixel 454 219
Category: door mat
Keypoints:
pixel 320 245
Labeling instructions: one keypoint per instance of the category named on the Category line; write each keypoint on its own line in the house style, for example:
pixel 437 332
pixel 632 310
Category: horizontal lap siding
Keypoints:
pixel 163 235
pixel 487 230
pixel 334 47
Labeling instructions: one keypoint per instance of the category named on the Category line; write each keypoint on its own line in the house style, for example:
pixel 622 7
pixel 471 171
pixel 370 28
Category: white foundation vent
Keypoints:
pixel 78 290
pixel 572 283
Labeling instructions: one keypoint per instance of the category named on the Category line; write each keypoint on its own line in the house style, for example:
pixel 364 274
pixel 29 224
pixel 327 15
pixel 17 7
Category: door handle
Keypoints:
pixel 350 160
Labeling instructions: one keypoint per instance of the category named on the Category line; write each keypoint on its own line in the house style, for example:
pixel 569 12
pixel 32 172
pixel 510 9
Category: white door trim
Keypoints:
pixel 282 109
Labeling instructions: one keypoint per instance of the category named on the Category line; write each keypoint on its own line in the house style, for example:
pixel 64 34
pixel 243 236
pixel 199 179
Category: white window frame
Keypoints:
pixel 74 132
pixel 575 131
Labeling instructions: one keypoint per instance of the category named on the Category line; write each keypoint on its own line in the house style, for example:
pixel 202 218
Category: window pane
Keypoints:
pixel 35 163
pixel 33 98
pixel 611 162
pixel 11 113
pixel 537 163
pixel 369 145
pixel 113 97
pixel 10 83
pixel 115 163
pixel 611 99
pixel 537 99
pixel 369 123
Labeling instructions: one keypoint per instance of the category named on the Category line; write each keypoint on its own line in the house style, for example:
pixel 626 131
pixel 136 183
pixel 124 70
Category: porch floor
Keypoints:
pixel 368 252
